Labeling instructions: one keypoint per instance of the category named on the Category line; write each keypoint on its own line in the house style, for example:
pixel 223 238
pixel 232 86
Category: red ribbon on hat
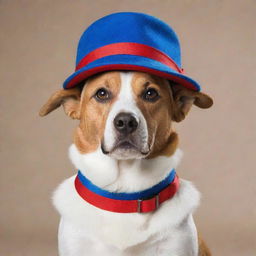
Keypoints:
pixel 129 48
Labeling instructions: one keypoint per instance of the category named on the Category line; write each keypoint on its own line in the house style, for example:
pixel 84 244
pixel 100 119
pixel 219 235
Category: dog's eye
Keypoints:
pixel 102 95
pixel 150 95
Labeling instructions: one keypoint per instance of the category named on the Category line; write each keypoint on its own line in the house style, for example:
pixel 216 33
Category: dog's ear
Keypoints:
pixel 184 98
pixel 68 98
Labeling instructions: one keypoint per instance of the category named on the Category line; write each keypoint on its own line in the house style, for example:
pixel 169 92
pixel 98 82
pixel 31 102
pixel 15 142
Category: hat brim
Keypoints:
pixel 130 62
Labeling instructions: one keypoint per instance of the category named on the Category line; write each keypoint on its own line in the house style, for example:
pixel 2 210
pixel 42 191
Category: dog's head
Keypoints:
pixel 128 115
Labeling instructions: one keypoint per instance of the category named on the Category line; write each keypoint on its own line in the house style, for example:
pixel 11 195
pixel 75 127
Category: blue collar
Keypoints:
pixel 144 194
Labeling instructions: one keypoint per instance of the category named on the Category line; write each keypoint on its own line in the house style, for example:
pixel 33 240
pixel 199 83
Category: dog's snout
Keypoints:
pixel 125 123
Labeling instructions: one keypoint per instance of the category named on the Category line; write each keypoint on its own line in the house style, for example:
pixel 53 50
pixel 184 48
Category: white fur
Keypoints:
pixel 86 230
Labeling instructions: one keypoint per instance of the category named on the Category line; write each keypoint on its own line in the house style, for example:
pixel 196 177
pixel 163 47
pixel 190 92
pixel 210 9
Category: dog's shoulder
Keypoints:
pixel 180 207
pixel 65 197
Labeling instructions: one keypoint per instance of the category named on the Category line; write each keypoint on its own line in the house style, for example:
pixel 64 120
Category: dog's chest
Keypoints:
pixel 177 241
pixel 125 234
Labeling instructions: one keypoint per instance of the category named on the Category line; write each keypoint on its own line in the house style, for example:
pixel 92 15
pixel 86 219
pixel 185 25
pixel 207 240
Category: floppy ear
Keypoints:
pixel 69 99
pixel 184 98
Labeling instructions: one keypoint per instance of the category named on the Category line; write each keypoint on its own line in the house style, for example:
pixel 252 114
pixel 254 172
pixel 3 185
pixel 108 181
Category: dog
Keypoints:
pixel 125 142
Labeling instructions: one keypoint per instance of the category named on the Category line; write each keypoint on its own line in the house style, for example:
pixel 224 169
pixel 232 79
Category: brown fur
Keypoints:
pixel 68 98
pixel 158 114
pixel 183 100
pixel 203 249
pixel 89 133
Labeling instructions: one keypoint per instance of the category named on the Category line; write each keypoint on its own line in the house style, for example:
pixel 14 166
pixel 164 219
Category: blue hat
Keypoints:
pixel 129 41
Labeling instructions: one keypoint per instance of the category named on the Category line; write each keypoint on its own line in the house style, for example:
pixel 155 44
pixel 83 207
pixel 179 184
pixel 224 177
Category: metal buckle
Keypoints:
pixel 156 203
pixel 139 205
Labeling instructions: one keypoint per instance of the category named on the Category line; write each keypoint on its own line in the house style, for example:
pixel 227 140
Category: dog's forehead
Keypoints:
pixel 140 80
pixel 140 77
pixel 115 79
pixel 108 78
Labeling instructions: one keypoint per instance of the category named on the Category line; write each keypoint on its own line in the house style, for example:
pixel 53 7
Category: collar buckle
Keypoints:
pixel 157 201
pixel 139 205
pixel 139 202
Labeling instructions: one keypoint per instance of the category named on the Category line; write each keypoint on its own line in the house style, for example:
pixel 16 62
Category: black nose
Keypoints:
pixel 125 123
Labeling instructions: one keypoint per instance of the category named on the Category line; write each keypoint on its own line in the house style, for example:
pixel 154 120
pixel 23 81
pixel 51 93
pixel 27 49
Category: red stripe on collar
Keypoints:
pixel 127 206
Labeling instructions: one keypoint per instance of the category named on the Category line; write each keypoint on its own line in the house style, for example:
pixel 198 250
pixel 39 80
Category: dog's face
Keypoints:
pixel 128 115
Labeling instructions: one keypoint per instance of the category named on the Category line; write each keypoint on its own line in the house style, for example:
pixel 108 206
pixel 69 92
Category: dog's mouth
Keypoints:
pixel 125 146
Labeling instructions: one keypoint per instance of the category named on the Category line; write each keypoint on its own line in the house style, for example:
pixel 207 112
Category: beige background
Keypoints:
pixel 38 44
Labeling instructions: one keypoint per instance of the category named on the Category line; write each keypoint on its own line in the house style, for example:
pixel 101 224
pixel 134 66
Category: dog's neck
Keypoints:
pixel 123 175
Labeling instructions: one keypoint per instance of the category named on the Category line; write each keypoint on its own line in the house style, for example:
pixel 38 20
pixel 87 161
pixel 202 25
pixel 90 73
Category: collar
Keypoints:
pixel 143 201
